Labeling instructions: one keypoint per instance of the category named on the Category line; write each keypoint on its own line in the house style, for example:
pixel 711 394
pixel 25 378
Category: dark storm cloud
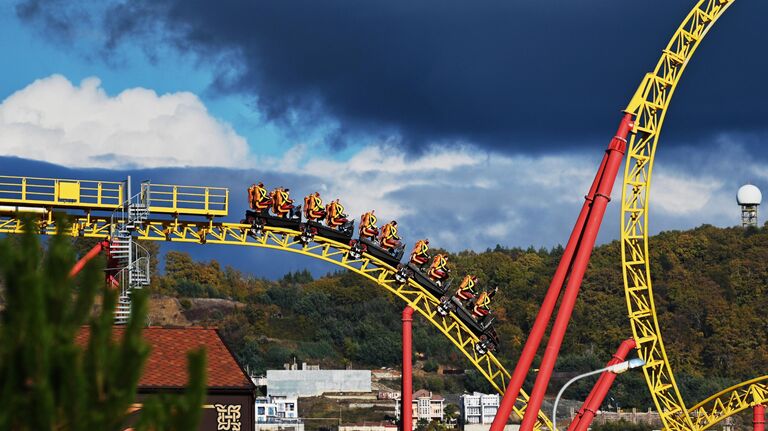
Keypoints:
pixel 500 74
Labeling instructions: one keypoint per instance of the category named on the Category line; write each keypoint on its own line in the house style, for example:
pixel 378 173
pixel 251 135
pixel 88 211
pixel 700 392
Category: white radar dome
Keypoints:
pixel 749 195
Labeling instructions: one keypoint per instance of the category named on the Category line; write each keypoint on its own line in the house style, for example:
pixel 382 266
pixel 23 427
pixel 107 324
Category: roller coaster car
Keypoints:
pixel 258 220
pixel 435 287
pixel 311 228
pixel 390 256
pixel 482 327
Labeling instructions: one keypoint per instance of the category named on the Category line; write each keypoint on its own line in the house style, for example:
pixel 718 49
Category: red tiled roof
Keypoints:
pixel 166 365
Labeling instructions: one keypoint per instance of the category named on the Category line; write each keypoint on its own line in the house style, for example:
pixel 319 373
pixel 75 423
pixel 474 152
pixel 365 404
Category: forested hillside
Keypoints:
pixel 710 291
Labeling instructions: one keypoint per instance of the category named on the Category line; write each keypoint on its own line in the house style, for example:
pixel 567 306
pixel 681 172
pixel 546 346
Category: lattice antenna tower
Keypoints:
pixel 749 198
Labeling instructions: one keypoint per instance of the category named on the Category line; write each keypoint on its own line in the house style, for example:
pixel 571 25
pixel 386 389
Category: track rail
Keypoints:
pixel 210 232
pixel 729 401
pixel 649 105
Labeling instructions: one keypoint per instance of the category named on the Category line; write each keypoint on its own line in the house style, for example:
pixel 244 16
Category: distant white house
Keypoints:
pixel 478 408
pixel 425 406
pixel 278 413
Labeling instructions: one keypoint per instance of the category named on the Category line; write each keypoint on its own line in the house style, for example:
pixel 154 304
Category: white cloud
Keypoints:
pixel 678 194
pixel 81 126
pixel 463 197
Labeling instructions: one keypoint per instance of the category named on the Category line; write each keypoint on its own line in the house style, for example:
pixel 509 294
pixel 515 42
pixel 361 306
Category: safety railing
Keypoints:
pixel 52 192
pixel 195 200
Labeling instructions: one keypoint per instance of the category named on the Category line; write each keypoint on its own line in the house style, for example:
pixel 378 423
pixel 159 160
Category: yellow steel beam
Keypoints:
pixel 209 232
pixel 729 401
pixel 649 105
pixel 61 193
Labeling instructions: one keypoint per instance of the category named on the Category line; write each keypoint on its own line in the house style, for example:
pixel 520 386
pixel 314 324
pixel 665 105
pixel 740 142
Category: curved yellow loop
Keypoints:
pixel 649 105
pixel 321 248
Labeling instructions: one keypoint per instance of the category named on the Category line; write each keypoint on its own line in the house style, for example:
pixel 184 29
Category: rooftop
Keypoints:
pixel 166 365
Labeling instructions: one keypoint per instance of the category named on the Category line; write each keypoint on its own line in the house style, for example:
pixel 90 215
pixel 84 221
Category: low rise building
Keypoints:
pixel 278 413
pixel 273 408
pixel 229 401
pixel 312 383
pixel 478 408
pixel 425 405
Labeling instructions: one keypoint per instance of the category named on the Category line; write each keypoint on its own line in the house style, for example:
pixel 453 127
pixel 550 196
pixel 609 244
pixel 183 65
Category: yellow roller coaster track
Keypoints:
pixel 649 105
pixel 48 195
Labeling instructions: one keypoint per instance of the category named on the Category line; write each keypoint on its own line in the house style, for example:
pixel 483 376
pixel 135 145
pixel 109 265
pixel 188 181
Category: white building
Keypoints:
pixel 275 413
pixel 312 382
pixel 477 408
pixel 425 406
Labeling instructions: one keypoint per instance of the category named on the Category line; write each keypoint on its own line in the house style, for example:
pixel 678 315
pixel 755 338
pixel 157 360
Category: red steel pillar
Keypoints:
pixel 92 253
pixel 758 417
pixel 406 415
pixel 545 312
pixel 616 150
pixel 595 399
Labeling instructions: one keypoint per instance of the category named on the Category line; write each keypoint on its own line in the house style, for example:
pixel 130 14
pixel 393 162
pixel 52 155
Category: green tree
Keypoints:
pixel 451 412
pixel 47 380
pixel 422 424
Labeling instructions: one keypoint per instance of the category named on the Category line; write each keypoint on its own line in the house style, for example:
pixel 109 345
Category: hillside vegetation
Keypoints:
pixel 710 293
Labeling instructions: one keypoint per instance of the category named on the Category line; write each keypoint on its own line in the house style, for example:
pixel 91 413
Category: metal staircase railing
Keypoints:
pixel 130 260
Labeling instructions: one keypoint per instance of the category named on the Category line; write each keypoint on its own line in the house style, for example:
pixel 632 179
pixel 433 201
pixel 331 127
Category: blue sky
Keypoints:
pixel 472 124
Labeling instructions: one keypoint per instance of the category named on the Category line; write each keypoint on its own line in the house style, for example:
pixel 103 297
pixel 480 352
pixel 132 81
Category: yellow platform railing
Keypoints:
pixel 50 192
pixel 196 200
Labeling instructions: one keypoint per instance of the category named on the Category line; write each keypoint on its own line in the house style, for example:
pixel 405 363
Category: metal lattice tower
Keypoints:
pixel 749 198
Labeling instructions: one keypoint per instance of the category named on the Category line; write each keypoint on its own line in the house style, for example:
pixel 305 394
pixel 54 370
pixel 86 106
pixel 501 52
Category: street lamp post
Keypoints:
pixel 616 369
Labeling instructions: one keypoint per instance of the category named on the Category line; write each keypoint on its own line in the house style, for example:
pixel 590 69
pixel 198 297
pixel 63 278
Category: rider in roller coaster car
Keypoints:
pixel 483 304
pixel 313 207
pixel 438 270
pixel 466 290
pixel 282 204
pixel 420 253
pixel 368 229
pixel 388 238
pixel 334 214
pixel 258 198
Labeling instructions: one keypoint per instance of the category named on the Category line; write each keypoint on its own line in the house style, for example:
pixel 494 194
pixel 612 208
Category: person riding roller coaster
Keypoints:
pixel 388 237
pixel 483 304
pixel 258 198
pixel 282 204
pixel 334 214
pixel 420 253
pixel 368 229
pixel 438 269
pixel 466 290
pixel 313 207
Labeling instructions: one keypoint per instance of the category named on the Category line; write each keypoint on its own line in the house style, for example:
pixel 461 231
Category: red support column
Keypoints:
pixel 92 253
pixel 758 417
pixel 595 399
pixel 545 312
pixel 406 415
pixel 616 150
